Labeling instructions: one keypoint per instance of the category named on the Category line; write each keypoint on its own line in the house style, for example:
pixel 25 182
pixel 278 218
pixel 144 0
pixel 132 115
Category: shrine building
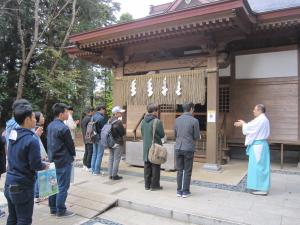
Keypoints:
pixel 226 56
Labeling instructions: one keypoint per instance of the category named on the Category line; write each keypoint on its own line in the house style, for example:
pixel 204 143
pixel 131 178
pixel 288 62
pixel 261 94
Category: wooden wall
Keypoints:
pixel 279 95
pixel 134 113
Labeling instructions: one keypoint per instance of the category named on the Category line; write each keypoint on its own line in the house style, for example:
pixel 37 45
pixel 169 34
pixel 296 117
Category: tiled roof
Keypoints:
pixel 156 9
pixel 260 6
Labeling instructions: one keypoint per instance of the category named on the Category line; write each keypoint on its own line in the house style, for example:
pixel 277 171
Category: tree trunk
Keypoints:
pixel 21 81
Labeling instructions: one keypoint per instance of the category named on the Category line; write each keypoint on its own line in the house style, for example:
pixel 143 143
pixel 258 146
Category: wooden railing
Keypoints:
pixel 137 125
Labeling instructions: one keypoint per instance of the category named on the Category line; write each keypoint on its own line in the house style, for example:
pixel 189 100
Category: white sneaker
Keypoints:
pixel 102 173
pixel 96 174
pixel 264 193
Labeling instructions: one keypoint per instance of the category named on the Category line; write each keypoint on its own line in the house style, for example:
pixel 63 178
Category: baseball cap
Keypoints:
pixel 117 109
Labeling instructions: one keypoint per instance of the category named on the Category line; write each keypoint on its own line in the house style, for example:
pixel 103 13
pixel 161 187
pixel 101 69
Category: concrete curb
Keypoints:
pixel 176 215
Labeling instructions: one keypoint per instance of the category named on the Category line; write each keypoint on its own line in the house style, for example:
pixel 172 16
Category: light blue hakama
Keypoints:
pixel 258 166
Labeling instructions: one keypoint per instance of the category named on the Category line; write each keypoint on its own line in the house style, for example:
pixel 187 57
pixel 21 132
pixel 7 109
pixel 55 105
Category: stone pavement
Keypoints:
pixel 126 202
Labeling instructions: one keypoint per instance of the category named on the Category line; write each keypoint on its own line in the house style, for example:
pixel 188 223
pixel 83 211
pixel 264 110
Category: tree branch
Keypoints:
pixel 36 30
pixel 3 7
pixel 74 13
pixel 52 18
pixel 21 35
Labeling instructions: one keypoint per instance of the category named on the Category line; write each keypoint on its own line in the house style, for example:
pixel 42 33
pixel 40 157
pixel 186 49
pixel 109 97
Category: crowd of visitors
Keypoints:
pixel 30 147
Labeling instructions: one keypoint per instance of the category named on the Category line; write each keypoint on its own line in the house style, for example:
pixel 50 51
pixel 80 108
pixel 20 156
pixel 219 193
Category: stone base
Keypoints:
pixel 134 155
pixel 211 167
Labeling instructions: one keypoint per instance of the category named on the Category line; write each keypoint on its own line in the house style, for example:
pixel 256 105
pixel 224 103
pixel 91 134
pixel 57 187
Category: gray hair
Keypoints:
pixel 152 107
pixel 261 108
pixel 187 106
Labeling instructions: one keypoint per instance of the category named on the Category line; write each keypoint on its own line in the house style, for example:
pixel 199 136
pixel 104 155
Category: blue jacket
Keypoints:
pixel 10 125
pixel 61 148
pixel 100 120
pixel 24 158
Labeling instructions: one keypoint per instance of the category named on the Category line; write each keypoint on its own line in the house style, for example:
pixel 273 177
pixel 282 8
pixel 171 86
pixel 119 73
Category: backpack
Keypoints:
pixel 107 139
pixel 91 135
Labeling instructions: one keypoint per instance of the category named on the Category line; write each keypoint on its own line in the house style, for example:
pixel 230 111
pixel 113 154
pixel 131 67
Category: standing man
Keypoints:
pixel 71 123
pixel 61 151
pixel 257 132
pixel 12 124
pixel 151 170
pixel 187 132
pixel 98 149
pixel 118 132
pixel 24 159
pixel 88 150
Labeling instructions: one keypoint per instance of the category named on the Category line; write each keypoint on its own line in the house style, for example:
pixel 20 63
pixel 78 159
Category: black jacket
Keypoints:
pixel 117 130
pixel 24 158
pixel 2 156
pixel 61 148
pixel 84 124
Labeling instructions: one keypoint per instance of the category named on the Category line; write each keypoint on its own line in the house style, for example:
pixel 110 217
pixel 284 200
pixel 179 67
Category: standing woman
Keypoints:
pixel 40 121
pixel 39 131
pixel 151 170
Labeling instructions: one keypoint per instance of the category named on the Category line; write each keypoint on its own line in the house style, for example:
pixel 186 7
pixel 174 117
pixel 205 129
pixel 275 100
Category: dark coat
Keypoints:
pixel 147 129
pixel 2 155
pixel 24 158
pixel 187 131
pixel 84 124
pixel 61 148
pixel 117 130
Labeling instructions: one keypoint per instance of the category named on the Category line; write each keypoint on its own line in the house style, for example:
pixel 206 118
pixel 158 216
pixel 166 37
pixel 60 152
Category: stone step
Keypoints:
pixel 89 204
pixel 124 216
pixel 175 215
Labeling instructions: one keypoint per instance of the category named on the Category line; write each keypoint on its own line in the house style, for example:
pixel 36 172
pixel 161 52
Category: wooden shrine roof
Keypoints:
pixel 209 16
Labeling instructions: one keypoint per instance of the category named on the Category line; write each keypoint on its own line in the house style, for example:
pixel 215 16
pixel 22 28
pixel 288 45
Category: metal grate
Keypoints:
pixel 224 104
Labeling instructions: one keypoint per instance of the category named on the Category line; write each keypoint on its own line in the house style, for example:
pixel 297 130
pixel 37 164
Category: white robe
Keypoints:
pixel 257 129
pixel 72 125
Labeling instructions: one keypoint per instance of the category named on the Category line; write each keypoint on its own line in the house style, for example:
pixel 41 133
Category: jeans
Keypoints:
pixel 184 166
pixel 57 201
pixel 20 206
pixel 114 159
pixel 151 175
pixel 87 158
pixel 98 151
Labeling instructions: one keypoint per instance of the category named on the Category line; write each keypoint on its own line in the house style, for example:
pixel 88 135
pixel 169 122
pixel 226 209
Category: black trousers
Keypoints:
pixel 184 166
pixel 87 157
pixel 151 175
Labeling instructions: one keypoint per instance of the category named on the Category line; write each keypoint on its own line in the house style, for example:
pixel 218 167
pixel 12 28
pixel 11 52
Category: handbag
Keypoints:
pixel 47 182
pixel 157 153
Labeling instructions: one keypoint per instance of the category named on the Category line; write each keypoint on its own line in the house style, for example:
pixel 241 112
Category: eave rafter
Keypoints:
pixel 161 33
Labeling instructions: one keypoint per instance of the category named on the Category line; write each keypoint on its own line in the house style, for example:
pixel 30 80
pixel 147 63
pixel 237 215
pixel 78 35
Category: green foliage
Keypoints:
pixel 125 17
pixel 73 81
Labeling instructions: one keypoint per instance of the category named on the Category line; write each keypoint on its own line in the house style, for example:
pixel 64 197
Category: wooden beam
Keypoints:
pixel 186 62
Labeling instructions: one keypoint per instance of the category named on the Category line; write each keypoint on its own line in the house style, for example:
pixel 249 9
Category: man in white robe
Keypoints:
pixel 71 123
pixel 257 132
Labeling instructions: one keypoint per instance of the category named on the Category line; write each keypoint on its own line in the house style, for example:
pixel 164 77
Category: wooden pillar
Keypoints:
pixel 118 74
pixel 212 115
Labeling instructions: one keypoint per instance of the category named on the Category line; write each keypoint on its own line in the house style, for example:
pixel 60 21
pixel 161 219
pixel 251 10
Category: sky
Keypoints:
pixel 138 8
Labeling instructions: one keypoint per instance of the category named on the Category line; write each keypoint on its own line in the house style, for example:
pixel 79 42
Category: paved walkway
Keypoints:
pixel 209 204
